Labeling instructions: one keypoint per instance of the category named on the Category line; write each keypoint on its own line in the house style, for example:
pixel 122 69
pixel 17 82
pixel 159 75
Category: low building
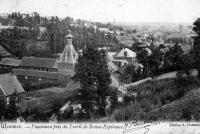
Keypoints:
pixel 8 86
pixel 34 63
pixel 42 34
pixel 8 64
pixel 41 77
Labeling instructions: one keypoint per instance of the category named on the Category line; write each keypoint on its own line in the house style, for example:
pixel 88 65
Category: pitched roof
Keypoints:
pixel 39 74
pixel 130 54
pixel 38 62
pixel 69 55
pixel 9 84
pixel 4 52
pixel 104 30
pixel 10 62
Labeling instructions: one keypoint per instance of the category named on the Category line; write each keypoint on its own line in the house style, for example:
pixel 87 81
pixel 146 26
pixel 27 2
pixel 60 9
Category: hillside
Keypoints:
pixel 164 99
pixel 186 108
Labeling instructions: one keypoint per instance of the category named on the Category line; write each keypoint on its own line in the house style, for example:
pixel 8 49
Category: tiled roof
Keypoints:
pixel 9 84
pixel 10 62
pixel 38 62
pixel 39 74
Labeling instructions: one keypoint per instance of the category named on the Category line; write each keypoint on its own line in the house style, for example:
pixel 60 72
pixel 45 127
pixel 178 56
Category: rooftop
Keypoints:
pixel 38 62
pixel 9 84
pixel 130 54
pixel 10 62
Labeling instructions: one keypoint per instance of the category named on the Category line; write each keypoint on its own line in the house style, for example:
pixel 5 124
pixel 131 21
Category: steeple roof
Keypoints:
pixel 69 54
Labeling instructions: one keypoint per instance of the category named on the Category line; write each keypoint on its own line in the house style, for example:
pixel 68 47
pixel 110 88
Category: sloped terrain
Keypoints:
pixel 186 108
pixel 165 99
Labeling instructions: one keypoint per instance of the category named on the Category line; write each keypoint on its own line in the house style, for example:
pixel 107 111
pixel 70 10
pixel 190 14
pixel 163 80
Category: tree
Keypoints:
pixel 131 72
pixel 92 73
pixel 136 46
pixel 143 58
pixel 196 46
pixel 155 60
pixel 174 59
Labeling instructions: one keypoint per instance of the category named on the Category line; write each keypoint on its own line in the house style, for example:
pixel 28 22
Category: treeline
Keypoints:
pixel 52 31
pixel 157 60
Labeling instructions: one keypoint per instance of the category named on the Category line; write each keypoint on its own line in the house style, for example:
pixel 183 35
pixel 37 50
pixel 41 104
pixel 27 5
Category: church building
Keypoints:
pixel 68 58
pixel 45 70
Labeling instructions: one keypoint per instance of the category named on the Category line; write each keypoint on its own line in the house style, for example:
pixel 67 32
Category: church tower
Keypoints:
pixel 69 56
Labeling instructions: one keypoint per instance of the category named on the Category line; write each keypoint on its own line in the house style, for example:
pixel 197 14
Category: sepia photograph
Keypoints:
pixel 129 62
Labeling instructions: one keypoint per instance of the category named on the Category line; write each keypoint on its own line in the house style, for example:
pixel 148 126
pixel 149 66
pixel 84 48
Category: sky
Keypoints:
pixel 175 11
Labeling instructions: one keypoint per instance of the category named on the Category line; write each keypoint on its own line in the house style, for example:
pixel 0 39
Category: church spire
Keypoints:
pixel 69 54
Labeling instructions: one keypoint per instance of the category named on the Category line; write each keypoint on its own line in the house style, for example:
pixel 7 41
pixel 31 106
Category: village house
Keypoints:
pixel 105 30
pixel 125 56
pixel 42 33
pixel 8 86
